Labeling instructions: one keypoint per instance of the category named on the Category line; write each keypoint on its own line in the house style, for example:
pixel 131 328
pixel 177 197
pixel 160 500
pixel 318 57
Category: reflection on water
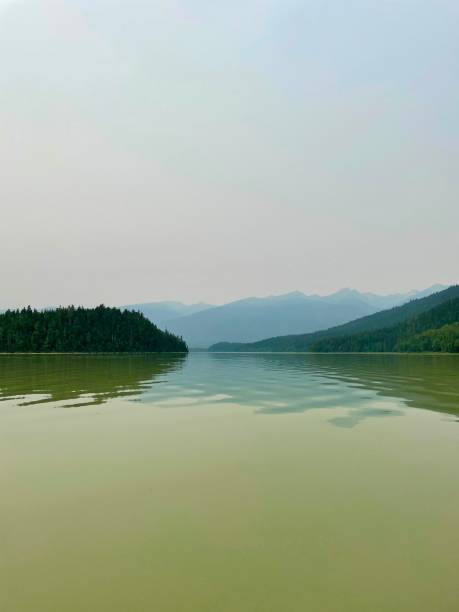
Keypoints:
pixel 271 384
pixel 365 385
pixel 78 380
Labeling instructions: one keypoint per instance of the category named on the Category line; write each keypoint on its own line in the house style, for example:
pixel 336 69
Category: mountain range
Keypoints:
pixel 400 324
pixel 252 319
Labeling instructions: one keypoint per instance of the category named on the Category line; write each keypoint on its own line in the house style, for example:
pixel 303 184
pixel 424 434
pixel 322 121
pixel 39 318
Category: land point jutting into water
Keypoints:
pixel 83 330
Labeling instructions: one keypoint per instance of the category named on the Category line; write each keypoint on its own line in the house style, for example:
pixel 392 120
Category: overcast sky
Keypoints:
pixel 203 150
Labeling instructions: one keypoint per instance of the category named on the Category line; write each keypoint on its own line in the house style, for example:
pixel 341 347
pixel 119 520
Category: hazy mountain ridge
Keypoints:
pixel 254 318
pixel 379 320
pixel 162 312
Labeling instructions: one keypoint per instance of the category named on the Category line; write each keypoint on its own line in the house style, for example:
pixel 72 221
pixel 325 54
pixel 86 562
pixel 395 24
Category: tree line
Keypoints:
pixel 78 329
pixel 436 330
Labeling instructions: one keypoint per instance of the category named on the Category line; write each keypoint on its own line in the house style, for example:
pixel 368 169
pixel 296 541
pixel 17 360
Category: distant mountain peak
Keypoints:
pixel 436 288
pixel 294 294
pixel 345 291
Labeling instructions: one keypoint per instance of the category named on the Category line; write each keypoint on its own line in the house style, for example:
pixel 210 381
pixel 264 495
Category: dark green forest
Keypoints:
pixel 442 340
pixel 77 329
pixel 436 330
pixel 378 321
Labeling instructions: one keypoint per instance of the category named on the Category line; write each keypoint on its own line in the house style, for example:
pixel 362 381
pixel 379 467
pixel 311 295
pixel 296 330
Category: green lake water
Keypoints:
pixel 229 483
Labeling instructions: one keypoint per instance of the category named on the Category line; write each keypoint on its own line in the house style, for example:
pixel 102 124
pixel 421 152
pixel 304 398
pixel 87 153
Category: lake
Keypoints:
pixel 229 483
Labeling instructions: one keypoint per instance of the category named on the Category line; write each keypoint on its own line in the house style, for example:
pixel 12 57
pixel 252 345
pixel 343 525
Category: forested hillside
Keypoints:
pixel 73 329
pixel 377 321
pixel 435 330
pixel 442 340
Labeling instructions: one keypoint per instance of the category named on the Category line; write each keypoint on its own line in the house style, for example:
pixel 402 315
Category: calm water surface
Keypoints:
pixel 232 483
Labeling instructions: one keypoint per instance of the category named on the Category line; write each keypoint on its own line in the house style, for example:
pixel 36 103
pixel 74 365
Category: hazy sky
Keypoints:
pixel 203 150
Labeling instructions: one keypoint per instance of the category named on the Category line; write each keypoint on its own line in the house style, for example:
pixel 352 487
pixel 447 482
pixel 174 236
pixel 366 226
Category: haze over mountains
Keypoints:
pixel 161 313
pixel 253 319
pixel 384 322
